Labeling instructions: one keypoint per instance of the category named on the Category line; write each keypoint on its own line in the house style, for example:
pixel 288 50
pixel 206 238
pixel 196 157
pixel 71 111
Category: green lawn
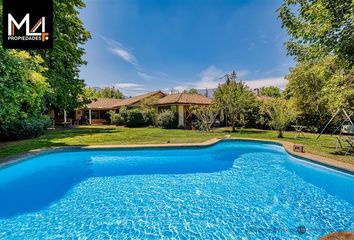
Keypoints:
pixel 96 135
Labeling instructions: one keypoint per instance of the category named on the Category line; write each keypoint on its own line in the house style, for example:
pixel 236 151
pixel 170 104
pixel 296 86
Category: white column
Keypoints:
pixel 64 115
pixel 90 116
pixel 180 115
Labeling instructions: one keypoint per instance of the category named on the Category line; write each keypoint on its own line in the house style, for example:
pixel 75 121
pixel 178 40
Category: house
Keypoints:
pixel 97 111
pixel 180 103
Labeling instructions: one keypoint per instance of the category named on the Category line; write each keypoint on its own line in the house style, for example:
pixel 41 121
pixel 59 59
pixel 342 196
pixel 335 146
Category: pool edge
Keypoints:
pixel 288 146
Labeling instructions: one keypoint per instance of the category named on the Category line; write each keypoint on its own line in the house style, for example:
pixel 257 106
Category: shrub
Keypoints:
pixel 149 116
pixel 117 119
pixel 26 128
pixel 281 113
pixel 135 118
pixel 123 112
pixel 167 119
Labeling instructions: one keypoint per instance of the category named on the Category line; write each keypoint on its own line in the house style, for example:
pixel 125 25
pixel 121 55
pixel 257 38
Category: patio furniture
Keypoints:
pixel 298 130
pixel 346 137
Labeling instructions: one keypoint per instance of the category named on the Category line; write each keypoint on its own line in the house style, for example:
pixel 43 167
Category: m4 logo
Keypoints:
pixel 13 24
pixel 27 24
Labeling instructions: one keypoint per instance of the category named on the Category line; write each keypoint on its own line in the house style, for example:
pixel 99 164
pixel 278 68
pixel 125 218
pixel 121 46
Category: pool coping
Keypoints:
pixel 288 146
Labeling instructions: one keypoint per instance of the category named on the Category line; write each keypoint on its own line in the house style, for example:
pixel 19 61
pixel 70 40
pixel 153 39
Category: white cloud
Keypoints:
pixel 213 76
pixel 210 78
pixel 180 88
pixel 279 82
pixel 130 86
pixel 145 75
pixel 161 74
pixel 241 73
pixel 127 55
pixel 121 51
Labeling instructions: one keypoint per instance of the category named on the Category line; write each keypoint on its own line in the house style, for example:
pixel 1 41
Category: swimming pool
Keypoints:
pixel 233 189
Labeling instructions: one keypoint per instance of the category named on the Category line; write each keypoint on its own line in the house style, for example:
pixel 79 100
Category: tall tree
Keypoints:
pixel 305 85
pixel 318 28
pixel 229 77
pixel 22 84
pixel 65 59
pixel 322 41
pixel 234 99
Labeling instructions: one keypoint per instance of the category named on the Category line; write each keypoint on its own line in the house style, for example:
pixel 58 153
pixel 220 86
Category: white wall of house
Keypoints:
pixel 180 115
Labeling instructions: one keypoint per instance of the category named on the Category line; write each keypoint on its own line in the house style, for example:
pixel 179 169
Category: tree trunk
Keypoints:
pixel 233 127
pixel 280 133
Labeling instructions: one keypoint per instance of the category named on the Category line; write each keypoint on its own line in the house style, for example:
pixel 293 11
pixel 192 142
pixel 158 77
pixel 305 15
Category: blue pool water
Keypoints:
pixel 231 190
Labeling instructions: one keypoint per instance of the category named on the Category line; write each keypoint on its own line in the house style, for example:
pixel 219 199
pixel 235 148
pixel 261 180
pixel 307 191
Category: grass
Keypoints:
pixel 101 135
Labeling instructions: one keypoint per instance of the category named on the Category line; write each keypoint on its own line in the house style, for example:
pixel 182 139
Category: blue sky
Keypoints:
pixel 145 45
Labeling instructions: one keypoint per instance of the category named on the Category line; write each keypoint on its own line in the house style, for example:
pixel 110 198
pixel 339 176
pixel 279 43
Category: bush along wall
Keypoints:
pixel 135 118
pixel 167 119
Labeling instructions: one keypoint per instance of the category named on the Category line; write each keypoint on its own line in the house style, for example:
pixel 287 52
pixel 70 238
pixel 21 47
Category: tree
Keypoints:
pixel 33 81
pixel 318 88
pixel 193 91
pixel 22 86
pixel 319 28
pixel 234 99
pixel 230 77
pixel 281 113
pixel 106 92
pixel 65 59
pixel 322 40
pixel 304 88
pixel 206 115
pixel 110 92
pixel 22 90
pixel 338 91
pixel 270 91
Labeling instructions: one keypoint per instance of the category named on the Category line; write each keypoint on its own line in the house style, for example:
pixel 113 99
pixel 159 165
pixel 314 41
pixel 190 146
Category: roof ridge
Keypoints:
pixel 180 95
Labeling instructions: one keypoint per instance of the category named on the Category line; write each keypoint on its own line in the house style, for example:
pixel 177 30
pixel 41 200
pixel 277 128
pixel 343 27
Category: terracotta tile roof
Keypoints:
pixel 111 103
pixel 132 100
pixel 184 98
pixel 104 103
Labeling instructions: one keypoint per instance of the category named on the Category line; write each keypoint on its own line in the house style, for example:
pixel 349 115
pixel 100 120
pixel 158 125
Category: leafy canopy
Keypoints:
pixel 65 59
pixel 234 99
pixel 106 92
pixel 319 28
